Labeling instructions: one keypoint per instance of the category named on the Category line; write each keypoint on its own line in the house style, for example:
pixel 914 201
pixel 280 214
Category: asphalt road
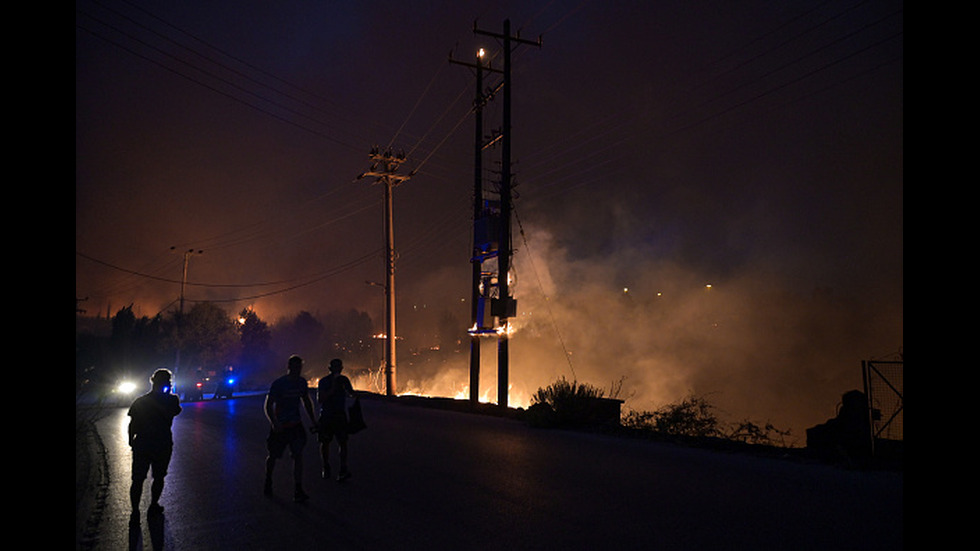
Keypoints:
pixel 433 479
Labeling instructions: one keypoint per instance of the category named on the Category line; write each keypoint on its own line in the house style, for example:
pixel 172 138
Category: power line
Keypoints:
pixel 307 279
pixel 583 176
pixel 223 92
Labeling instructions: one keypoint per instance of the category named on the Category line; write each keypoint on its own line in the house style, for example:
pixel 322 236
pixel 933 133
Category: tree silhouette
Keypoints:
pixel 208 338
pixel 256 357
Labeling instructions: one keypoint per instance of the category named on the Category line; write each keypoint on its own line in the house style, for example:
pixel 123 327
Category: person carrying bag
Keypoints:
pixel 332 393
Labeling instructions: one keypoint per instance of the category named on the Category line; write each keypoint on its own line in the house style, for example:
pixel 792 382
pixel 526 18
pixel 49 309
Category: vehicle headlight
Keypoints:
pixel 126 387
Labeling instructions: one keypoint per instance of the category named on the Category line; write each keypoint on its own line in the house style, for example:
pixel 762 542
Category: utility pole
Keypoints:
pixel 180 313
pixel 384 167
pixel 503 307
pixel 484 238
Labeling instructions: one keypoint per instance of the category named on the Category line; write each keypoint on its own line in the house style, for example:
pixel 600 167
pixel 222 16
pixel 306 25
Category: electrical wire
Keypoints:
pixel 545 177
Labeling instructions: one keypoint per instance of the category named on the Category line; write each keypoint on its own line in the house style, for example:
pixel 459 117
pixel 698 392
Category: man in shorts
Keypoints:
pixel 332 392
pixel 282 408
pixel 151 438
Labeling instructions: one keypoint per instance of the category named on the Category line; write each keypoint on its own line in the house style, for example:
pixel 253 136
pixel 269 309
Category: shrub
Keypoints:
pixel 563 403
pixel 693 416
pixel 750 433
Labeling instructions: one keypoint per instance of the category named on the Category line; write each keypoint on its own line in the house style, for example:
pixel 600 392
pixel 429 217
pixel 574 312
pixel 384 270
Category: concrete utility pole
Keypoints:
pixel 484 238
pixel 384 167
pixel 504 306
pixel 476 306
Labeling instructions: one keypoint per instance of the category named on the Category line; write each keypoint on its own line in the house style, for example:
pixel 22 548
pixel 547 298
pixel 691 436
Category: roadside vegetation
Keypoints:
pixel 695 417
pixel 564 404
pixel 570 404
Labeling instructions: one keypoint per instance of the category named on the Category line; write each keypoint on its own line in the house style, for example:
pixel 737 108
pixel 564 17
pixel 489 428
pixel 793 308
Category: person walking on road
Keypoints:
pixel 151 438
pixel 282 408
pixel 332 393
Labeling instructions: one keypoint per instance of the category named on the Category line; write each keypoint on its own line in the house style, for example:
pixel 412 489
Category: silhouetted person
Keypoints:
pixel 855 425
pixel 282 408
pixel 151 438
pixel 846 436
pixel 332 393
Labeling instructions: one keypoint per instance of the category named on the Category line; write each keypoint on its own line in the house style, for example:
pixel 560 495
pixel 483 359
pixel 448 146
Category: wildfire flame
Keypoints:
pixel 508 329
pixel 447 386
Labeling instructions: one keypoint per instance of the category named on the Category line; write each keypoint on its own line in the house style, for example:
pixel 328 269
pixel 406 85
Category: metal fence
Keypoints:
pixel 884 385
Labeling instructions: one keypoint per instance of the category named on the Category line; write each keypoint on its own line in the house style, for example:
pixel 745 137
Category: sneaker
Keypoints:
pixel 300 496
pixel 344 475
pixel 154 509
pixel 325 473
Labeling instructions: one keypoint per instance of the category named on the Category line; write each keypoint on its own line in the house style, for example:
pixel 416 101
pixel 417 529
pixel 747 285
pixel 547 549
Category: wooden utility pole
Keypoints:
pixel 180 314
pixel 384 167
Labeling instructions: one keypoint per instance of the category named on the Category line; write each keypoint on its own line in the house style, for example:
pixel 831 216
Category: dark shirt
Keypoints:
pixel 286 394
pixel 152 416
pixel 332 392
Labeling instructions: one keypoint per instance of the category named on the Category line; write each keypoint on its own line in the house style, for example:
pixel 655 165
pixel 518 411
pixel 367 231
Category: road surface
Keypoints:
pixel 433 479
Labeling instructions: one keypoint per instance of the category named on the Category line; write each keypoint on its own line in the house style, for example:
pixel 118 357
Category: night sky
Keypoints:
pixel 658 147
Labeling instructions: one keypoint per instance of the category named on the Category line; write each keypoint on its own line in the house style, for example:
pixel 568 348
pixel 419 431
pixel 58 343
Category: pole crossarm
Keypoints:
pixel 477 66
pixel 505 36
pixel 383 177
pixel 384 168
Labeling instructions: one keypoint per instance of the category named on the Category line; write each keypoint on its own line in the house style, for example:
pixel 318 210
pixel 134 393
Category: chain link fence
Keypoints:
pixel 884 383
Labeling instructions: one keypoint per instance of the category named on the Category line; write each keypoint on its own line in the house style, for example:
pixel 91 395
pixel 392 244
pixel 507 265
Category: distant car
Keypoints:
pixel 225 388
pixel 195 392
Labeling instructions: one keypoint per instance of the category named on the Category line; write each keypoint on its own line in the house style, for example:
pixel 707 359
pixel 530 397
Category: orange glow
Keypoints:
pixel 450 384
